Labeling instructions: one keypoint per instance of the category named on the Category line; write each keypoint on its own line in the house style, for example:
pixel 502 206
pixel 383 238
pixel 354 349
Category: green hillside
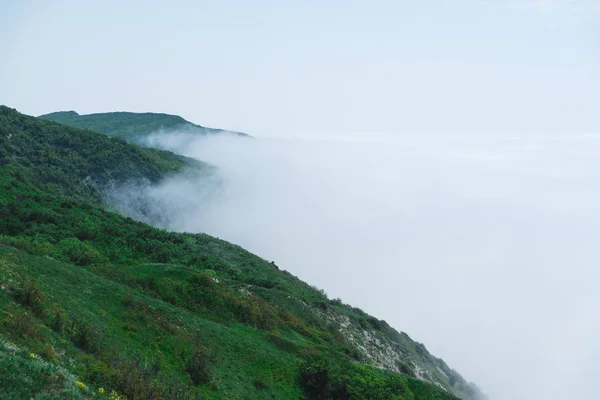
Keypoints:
pixel 76 162
pixel 96 305
pixel 130 126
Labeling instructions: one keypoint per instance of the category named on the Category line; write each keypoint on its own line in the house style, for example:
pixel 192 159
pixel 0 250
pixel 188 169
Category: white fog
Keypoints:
pixel 481 247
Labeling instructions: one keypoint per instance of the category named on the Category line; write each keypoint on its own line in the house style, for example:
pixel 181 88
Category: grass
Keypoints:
pixel 27 375
pixel 153 329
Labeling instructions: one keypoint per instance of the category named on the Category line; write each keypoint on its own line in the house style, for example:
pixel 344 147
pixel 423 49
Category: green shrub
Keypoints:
pixel 254 311
pixel 80 253
pixel 407 369
pixel 95 371
pixel 87 337
pixel 283 344
pixel 57 318
pixel 330 377
pixel 48 353
pixel 127 300
pixel 31 296
pixel 24 325
pixel 198 366
pixel 314 375
pixel 263 380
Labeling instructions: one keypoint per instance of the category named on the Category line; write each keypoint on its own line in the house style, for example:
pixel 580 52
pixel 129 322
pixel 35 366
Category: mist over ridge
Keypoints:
pixel 446 237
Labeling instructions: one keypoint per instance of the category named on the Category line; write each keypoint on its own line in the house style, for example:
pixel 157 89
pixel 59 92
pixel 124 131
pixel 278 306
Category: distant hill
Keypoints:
pixel 129 126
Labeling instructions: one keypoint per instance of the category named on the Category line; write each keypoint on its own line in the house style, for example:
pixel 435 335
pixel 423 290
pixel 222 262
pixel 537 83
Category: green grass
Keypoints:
pixel 245 362
pixel 150 329
pixel 25 375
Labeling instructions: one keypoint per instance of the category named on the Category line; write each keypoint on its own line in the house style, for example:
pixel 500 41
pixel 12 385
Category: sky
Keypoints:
pixel 275 69
pixel 433 163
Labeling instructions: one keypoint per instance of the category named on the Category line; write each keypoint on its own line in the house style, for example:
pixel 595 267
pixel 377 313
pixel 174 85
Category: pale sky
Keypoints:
pixel 273 68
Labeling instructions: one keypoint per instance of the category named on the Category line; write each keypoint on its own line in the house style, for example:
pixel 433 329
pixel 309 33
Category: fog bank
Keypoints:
pixel 484 248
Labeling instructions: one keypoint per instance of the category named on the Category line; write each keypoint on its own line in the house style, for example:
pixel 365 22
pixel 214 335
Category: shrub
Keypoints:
pixel 137 379
pixel 87 337
pixel 57 318
pixel 407 369
pixel 31 296
pixel 198 366
pixel 127 300
pixel 336 302
pixel 331 377
pixel 95 371
pixel 322 305
pixel 24 325
pixel 80 253
pixel 254 311
pixel 314 375
pixel 263 380
pixel 283 344
pixel 175 390
pixel 47 353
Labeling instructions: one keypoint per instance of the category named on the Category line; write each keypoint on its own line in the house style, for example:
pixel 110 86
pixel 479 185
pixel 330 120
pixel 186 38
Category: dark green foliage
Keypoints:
pixel 135 377
pixel 23 324
pixel 31 296
pixel 407 369
pixel 198 366
pixel 315 375
pixel 86 336
pixel 47 352
pixel 80 253
pixel 327 377
pixel 128 300
pixel 283 344
pixel 75 162
pixel 423 390
pixel 57 318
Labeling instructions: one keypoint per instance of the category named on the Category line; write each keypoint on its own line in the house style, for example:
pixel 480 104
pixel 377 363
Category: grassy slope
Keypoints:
pixel 173 308
pixel 127 125
pixel 150 328
pixel 163 308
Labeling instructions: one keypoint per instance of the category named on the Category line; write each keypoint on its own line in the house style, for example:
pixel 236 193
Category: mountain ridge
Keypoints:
pixel 220 286
pixel 129 125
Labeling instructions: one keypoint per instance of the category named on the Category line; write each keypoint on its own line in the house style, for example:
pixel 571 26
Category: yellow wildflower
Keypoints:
pixel 81 385
pixel 101 390
pixel 114 396
pixel 31 355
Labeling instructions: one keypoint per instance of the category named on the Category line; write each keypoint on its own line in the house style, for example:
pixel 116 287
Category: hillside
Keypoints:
pixel 96 305
pixel 130 126
pixel 77 162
